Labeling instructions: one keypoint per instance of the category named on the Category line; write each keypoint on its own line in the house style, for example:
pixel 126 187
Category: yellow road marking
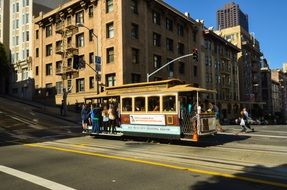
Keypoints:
pixel 199 171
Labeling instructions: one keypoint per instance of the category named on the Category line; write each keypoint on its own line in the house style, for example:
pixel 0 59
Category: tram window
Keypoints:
pixel 127 104
pixel 169 103
pixel 153 103
pixel 139 104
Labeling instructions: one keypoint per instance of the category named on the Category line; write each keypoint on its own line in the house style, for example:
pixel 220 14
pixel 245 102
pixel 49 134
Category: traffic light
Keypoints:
pixel 76 62
pixel 195 54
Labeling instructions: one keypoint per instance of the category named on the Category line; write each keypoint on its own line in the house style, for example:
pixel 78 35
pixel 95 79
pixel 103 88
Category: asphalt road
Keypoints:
pixel 41 152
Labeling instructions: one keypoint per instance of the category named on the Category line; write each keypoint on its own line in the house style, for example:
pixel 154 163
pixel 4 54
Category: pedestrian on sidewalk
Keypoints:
pixel 64 100
pixel 245 117
pixel 85 118
pixel 62 108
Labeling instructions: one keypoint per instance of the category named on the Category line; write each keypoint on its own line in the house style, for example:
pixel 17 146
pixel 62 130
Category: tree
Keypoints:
pixel 4 68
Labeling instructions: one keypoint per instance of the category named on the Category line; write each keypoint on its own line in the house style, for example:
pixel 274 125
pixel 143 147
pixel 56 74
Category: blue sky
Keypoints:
pixel 266 20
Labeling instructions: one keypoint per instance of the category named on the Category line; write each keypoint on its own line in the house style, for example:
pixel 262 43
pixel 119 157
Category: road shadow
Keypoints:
pixel 23 134
pixel 255 177
pixel 206 141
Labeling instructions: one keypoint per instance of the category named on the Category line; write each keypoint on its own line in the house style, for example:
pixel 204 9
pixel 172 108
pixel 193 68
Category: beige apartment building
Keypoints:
pixel 132 38
pixel 279 95
pixel 220 69
pixel 249 61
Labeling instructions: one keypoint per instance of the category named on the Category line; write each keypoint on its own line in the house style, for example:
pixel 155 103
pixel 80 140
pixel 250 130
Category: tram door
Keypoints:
pixel 187 114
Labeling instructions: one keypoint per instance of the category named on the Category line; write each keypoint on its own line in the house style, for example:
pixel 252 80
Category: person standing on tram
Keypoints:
pixel 105 116
pixel 112 118
pixel 95 114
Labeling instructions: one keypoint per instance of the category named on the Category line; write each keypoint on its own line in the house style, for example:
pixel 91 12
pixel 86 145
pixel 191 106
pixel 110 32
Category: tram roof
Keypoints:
pixel 164 86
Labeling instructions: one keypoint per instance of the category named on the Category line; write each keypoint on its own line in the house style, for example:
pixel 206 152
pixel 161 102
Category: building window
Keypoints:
pixel 58 66
pixel 169 44
pixel 27 36
pixel 17 40
pixel 91 58
pixel 69 63
pixel 111 79
pixel 37 34
pixel 110 30
pixel 134 6
pixel 194 35
pixel 110 55
pixel 194 71
pixel 91 34
pixel 49 69
pixel 156 61
pixel 169 24
pixel 37 70
pixel 48 30
pixel 17 23
pixel 69 20
pixel 69 84
pixel 109 6
pixel 80 85
pixel 49 89
pixel 59 87
pixel 27 18
pixel 156 17
pixel 180 29
pixel 91 11
pixel 80 17
pixel 82 62
pixel 180 48
pixel 181 68
pixel 156 39
pixel 80 40
pixel 135 31
pixel 135 56
pixel 37 52
pixel 136 78
pixel 49 50
pixel 170 68
pixel 92 82
pixel 24 73
pixel 17 7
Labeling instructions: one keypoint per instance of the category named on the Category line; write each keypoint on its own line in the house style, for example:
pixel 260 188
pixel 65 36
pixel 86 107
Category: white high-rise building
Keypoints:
pixel 20 41
pixel 4 24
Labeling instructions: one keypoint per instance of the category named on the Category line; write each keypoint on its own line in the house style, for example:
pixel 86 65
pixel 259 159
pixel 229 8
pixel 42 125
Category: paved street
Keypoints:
pixel 39 151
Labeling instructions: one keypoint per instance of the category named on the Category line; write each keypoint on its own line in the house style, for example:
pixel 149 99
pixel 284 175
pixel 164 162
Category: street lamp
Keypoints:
pixel 98 59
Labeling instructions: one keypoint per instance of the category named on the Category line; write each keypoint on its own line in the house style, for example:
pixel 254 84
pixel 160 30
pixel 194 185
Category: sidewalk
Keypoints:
pixel 49 110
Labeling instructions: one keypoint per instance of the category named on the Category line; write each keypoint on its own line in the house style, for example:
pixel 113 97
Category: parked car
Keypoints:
pixel 254 121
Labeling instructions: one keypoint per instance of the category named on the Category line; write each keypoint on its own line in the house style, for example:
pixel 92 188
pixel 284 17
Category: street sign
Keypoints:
pixel 98 60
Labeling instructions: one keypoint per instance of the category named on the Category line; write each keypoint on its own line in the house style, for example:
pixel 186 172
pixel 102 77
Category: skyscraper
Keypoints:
pixel 231 16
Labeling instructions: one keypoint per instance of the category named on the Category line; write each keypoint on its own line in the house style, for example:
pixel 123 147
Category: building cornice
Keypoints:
pixel 211 34
pixel 62 11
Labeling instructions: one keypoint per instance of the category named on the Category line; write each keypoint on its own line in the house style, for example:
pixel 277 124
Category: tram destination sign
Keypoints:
pixel 147 119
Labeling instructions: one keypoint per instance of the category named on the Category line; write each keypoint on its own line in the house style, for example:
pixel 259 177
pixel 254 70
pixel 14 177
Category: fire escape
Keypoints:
pixel 66 48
